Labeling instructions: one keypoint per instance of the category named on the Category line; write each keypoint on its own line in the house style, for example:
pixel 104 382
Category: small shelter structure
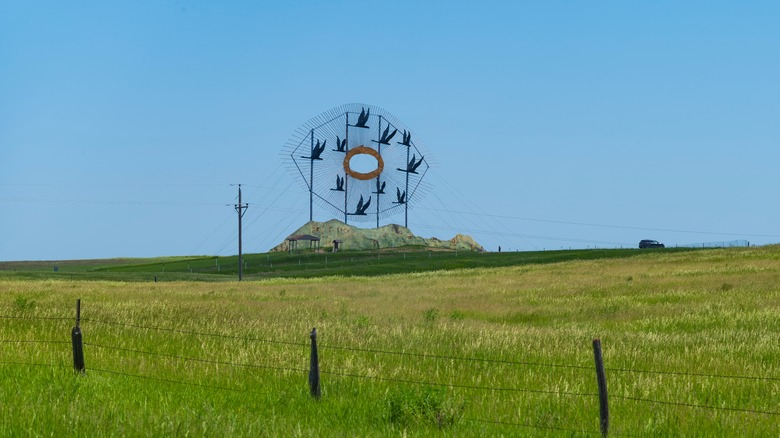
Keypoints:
pixel 292 242
pixel 336 245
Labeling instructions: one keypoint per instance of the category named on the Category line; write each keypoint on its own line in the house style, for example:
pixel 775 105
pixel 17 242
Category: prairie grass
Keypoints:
pixel 469 352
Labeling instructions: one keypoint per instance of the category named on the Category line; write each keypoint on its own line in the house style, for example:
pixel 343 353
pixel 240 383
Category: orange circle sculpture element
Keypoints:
pixel 367 151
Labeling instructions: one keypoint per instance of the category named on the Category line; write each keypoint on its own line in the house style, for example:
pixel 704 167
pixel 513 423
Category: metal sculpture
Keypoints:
pixel 358 130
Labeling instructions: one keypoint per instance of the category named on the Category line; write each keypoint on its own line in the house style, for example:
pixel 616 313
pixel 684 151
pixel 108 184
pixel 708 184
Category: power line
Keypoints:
pixel 102 185
pixel 531 236
pixel 275 234
pixel 229 240
pixel 482 214
pixel 212 233
pixel 104 202
pixel 624 227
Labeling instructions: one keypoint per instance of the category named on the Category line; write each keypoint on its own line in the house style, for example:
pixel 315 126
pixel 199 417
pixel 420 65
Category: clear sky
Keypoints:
pixel 551 124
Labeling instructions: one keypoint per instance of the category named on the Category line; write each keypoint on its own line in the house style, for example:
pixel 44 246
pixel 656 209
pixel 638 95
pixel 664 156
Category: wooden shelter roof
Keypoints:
pixel 307 237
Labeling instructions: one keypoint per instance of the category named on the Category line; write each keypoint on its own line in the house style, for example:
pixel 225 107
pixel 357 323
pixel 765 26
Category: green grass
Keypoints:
pixel 710 312
pixel 305 264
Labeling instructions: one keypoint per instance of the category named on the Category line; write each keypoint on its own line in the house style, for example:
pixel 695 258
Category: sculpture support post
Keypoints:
pixel 311 178
pixel 379 150
pixel 346 176
pixel 408 195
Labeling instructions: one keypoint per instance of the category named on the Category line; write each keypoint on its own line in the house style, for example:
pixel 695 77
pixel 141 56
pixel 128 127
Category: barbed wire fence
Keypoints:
pixel 599 398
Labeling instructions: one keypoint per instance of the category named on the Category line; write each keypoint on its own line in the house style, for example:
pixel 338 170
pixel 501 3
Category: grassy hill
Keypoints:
pixel 301 264
pixel 689 341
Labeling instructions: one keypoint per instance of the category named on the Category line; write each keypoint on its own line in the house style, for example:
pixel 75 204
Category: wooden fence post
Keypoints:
pixel 76 339
pixel 601 378
pixel 314 367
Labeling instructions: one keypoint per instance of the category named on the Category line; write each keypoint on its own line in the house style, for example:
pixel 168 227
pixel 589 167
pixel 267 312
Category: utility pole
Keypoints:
pixel 240 209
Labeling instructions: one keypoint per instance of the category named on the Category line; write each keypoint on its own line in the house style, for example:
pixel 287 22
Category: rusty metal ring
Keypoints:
pixel 361 150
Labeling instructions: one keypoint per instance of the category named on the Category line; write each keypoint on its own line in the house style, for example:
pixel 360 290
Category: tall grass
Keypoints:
pixel 527 331
pixel 306 264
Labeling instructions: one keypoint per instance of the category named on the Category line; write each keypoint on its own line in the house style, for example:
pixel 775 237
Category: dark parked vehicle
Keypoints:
pixel 650 244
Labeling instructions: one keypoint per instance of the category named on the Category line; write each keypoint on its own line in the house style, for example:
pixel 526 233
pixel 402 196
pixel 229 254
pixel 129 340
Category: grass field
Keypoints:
pixel 691 344
pixel 300 265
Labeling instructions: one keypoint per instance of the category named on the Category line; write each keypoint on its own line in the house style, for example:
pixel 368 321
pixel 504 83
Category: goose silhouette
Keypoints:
pixel 341 145
pixel 385 137
pixel 400 195
pixel 407 139
pixel 361 207
pixel 362 118
pixel 413 164
pixel 317 151
pixel 380 188
pixel 339 184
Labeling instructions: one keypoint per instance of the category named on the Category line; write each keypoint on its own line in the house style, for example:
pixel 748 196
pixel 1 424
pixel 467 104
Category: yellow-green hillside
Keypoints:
pixel 691 346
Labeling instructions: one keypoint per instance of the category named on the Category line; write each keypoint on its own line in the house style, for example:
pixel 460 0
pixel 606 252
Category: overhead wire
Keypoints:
pixel 483 213
pixel 266 208
pixel 105 202
pixel 277 231
pixel 532 236
pixel 109 185
pixel 462 228
pixel 464 223
pixel 260 209
pixel 230 239
pixel 625 227
pixel 466 201
pixel 212 233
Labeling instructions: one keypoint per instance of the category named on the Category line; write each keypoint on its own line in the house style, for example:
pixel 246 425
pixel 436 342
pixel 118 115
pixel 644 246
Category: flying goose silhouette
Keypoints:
pixel 362 118
pixel 407 139
pixel 385 137
pixel 361 208
pixel 339 184
pixel 413 164
pixel 341 145
pixel 317 151
pixel 380 187
pixel 400 195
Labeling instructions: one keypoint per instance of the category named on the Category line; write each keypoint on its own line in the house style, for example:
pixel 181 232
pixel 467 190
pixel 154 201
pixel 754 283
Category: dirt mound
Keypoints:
pixel 388 236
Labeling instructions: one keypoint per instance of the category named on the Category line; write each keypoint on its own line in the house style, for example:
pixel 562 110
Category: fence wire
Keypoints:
pixel 537 426
pixel 42 318
pixel 195 333
pixel 388 352
pixel 693 405
pixel 195 359
pixel 456 385
pixel 33 364
pixel 376 378
pixel 690 374
pixel 30 341
pixel 158 379
pixel 459 358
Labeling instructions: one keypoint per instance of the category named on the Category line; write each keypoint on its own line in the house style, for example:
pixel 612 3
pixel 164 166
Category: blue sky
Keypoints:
pixel 550 124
